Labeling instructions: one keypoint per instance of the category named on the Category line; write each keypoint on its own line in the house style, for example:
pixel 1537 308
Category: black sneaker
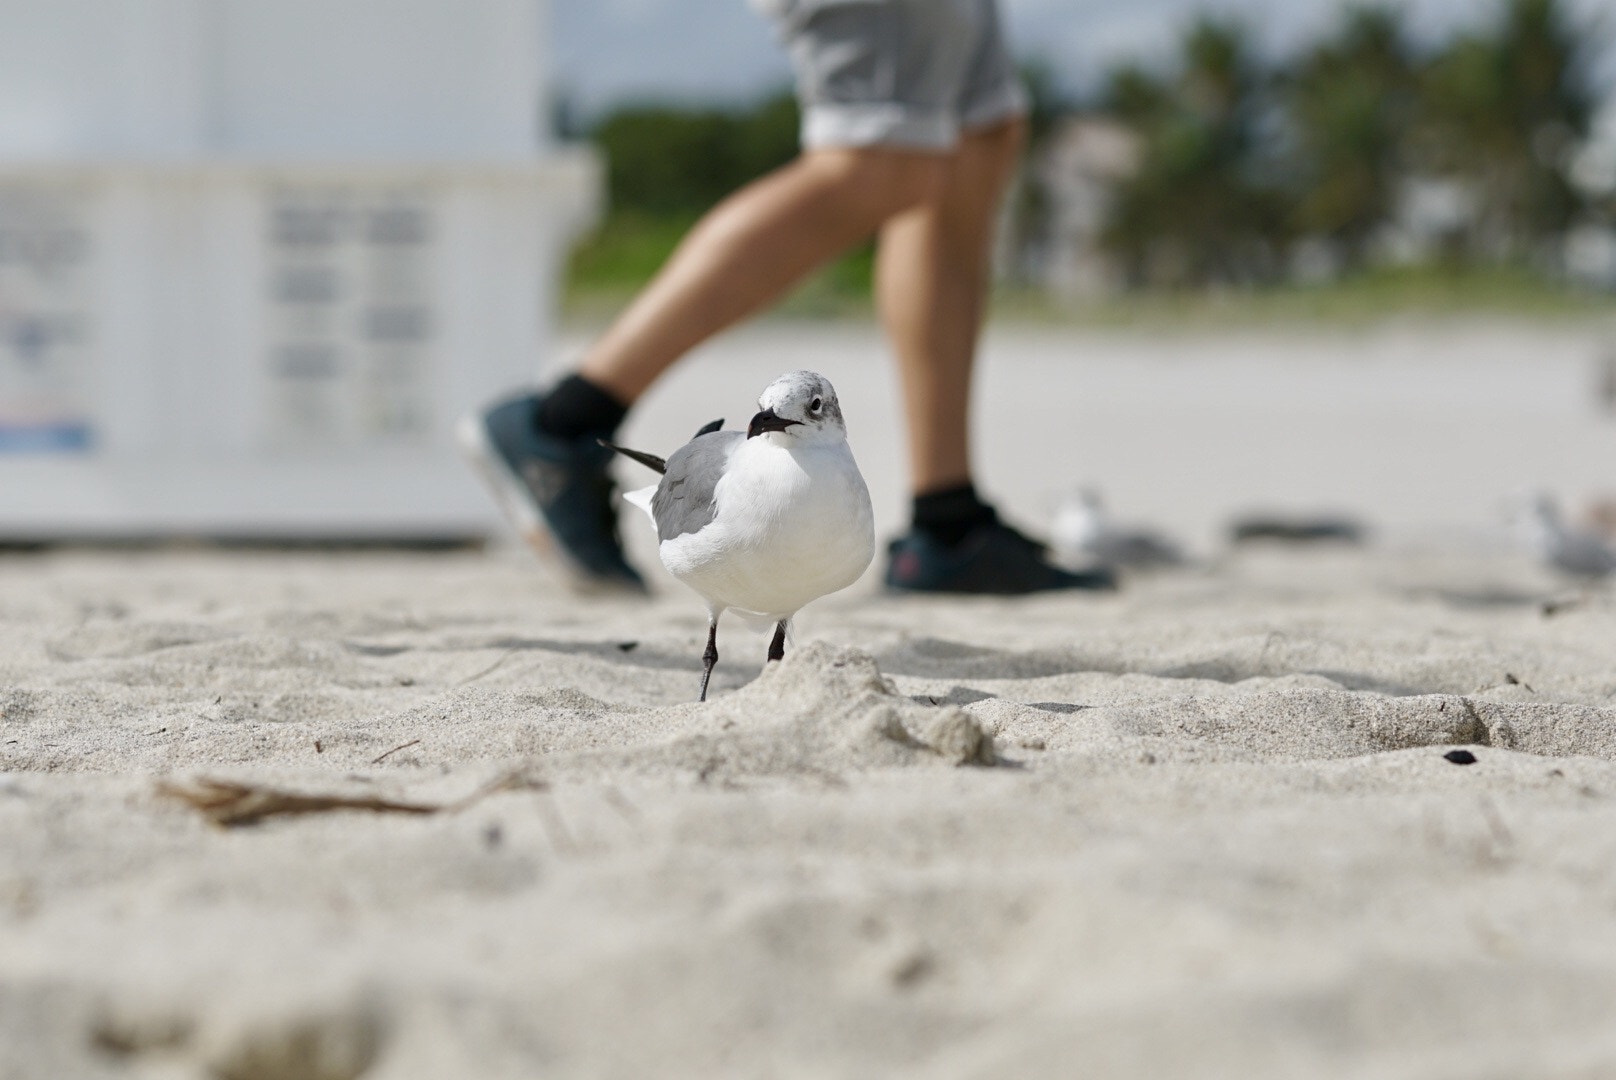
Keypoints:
pixel 557 492
pixel 993 559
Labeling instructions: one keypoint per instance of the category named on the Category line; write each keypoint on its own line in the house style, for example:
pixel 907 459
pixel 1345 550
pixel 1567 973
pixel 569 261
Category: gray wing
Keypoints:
pixel 1138 548
pixel 1581 553
pixel 683 502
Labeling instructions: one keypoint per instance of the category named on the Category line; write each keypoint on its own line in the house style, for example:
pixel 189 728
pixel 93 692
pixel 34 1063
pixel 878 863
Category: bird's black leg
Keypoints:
pixel 777 647
pixel 709 657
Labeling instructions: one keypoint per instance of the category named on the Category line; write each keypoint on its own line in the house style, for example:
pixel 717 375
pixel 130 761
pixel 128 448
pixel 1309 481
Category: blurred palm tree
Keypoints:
pixel 1505 108
pixel 1204 206
pixel 1351 100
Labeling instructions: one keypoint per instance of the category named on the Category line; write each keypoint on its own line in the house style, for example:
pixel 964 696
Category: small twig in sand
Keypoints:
pixel 228 803
pixel 402 746
pixel 159 731
pixel 225 802
pixel 504 656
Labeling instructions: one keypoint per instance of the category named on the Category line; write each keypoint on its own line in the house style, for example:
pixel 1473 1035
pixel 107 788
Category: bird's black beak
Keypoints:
pixel 767 420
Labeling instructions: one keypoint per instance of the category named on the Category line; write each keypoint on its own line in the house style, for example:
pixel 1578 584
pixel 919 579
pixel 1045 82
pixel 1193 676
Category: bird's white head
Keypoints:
pixel 1534 517
pixel 799 407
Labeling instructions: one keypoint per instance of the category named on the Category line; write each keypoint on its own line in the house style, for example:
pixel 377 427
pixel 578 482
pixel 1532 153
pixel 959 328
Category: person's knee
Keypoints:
pixel 887 181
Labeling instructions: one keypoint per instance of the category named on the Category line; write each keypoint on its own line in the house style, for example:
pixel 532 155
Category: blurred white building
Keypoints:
pixel 1431 216
pixel 1590 253
pixel 1083 162
pixel 257 255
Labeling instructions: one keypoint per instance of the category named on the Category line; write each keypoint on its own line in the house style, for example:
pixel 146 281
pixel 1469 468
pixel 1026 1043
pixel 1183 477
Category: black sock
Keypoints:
pixel 576 408
pixel 949 515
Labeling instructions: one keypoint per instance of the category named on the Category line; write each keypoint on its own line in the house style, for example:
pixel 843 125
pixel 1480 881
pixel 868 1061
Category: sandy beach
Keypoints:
pixel 1212 825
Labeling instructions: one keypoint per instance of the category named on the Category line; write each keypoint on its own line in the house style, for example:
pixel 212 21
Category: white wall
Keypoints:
pixel 169 357
pixel 331 79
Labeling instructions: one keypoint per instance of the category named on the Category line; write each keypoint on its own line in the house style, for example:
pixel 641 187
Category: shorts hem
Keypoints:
pixel 825 126
pixel 1008 102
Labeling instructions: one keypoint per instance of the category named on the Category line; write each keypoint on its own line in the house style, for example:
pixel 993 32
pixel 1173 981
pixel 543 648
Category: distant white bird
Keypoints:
pixel 1577 552
pixel 1084 534
pixel 766 520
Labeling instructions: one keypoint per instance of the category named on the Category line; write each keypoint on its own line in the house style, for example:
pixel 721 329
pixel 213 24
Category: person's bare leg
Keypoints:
pixel 753 247
pixel 932 273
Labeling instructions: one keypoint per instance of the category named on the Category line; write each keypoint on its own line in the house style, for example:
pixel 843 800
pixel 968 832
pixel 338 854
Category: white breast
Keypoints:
pixel 792 525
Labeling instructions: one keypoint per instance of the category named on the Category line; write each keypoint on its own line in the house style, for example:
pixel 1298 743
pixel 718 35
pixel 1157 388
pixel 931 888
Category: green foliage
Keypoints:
pixel 1351 100
pixel 616 261
pixel 1045 103
pixel 1359 299
pixel 627 248
pixel 1201 207
pixel 1504 107
pixel 666 166
pixel 667 160
pixel 1238 161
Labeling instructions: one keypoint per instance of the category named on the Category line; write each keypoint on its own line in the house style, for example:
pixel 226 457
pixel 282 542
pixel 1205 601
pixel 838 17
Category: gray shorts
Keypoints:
pixel 905 73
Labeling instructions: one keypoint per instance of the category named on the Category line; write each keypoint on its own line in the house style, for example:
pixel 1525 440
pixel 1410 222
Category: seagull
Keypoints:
pixel 1083 533
pixel 763 521
pixel 1580 553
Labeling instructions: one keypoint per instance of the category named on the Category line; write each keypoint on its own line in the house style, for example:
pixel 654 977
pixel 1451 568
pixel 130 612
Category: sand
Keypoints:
pixel 1203 827
pixel 1218 835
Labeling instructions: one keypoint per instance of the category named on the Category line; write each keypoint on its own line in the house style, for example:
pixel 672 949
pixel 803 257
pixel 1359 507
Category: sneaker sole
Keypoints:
pixel 513 500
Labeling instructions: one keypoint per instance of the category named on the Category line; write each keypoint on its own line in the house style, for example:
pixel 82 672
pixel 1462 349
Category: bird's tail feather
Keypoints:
pixel 642 499
pixel 650 461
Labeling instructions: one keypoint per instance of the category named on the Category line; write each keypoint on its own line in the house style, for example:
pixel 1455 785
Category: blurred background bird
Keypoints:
pixel 1083 534
pixel 1575 552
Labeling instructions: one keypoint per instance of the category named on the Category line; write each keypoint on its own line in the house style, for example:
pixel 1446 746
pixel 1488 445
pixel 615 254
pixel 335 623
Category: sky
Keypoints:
pixel 609 51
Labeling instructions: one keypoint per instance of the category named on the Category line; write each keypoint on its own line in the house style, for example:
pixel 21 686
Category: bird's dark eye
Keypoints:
pixel 815 405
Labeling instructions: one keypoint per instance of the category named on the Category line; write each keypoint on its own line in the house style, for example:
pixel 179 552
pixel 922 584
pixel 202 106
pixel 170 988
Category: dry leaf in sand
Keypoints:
pixel 230 802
